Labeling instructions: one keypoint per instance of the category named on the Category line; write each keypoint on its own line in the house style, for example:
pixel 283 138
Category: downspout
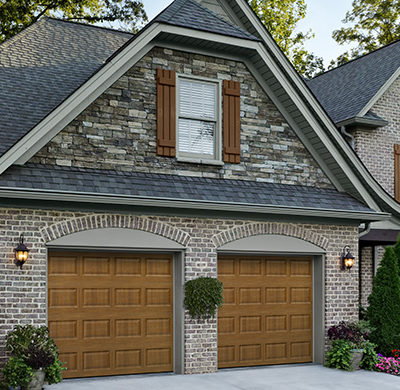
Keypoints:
pixel 348 135
pixel 367 228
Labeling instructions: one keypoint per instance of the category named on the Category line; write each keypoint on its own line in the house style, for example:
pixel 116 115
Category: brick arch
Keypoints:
pixel 99 221
pixel 254 229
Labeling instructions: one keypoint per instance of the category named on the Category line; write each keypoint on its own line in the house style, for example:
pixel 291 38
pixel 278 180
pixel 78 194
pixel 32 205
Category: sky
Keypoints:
pixel 323 16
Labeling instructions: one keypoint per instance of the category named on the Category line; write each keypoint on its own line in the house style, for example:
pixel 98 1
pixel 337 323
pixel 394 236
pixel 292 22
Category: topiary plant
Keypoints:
pixel 384 305
pixel 203 296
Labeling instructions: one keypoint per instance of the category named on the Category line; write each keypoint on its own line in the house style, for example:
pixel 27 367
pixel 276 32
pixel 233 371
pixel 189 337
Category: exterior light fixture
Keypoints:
pixel 21 252
pixel 347 258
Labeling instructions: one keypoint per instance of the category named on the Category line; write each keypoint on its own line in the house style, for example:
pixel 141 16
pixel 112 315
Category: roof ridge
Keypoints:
pixel 357 58
pixel 179 4
pixel 222 20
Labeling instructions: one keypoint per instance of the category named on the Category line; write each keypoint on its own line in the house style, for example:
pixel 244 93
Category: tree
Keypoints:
pixel 375 23
pixel 384 304
pixel 15 15
pixel 281 18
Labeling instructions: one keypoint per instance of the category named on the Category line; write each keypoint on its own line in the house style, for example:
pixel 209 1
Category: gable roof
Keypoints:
pixel 346 91
pixel 190 14
pixel 42 66
pixel 272 71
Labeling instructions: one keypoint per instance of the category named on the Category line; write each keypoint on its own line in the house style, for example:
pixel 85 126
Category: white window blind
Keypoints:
pixel 197 118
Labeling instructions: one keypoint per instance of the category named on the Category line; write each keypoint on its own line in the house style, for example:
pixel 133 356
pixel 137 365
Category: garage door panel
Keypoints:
pixel 266 317
pixel 112 314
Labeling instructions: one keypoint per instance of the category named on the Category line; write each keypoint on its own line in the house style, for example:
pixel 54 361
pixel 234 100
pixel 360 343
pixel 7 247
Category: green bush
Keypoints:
pixel 339 356
pixel 54 372
pixel 370 358
pixel 36 349
pixel 22 337
pixel 203 296
pixel 17 373
pixel 384 305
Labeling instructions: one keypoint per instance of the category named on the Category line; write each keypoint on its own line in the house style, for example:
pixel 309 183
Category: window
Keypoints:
pixel 198 119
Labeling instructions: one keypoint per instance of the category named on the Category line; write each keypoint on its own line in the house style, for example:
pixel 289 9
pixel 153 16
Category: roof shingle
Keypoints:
pixel 346 90
pixel 41 66
pixel 163 186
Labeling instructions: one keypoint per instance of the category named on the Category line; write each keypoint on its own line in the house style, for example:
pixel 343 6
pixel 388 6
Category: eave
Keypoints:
pixel 189 204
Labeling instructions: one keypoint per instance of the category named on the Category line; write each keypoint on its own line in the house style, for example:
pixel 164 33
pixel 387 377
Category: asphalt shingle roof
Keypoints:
pixel 41 66
pixel 151 185
pixel 188 13
pixel 345 91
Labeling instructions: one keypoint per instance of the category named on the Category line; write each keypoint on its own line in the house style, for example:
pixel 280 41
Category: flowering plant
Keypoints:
pixel 390 365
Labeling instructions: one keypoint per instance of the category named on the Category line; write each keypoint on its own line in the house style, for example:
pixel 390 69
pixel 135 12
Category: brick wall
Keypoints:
pixel 375 147
pixel 368 270
pixel 23 293
pixel 367 274
pixel 118 131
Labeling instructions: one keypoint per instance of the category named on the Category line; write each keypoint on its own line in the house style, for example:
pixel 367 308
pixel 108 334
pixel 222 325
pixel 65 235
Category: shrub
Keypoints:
pixel 350 332
pixel 38 357
pixel 36 349
pixel 203 296
pixel 17 373
pixel 23 336
pixel 54 372
pixel 370 358
pixel 384 304
pixel 390 365
pixel 339 355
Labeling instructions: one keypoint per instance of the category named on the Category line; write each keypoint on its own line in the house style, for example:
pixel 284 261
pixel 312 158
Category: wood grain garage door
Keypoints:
pixel 267 313
pixel 111 314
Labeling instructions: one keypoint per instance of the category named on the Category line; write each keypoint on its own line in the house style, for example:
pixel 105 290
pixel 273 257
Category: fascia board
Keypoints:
pixel 369 122
pixel 268 41
pixel 50 126
pixel 126 200
pixel 380 92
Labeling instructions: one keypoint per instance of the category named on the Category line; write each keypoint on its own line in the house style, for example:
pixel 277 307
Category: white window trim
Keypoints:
pixel 191 158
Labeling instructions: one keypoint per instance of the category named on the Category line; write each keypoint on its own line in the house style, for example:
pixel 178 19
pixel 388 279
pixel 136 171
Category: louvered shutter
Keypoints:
pixel 397 172
pixel 231 121
pixel 166 112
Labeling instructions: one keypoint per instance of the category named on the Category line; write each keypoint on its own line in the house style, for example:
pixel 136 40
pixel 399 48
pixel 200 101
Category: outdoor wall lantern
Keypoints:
pixel 21 252
pixel 347 258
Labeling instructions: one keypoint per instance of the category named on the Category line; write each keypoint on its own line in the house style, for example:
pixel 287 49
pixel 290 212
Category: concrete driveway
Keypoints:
pixel 293 377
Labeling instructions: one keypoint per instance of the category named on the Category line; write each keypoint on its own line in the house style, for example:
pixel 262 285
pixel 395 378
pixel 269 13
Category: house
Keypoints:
pixel 362 98
pixel 133 163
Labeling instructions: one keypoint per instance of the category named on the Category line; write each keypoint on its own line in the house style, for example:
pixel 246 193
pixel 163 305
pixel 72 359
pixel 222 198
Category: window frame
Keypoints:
pixel 196 157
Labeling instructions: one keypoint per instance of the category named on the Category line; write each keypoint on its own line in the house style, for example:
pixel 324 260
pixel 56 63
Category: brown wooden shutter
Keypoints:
pixel 231 121
pixel 166 112
pixel 397 172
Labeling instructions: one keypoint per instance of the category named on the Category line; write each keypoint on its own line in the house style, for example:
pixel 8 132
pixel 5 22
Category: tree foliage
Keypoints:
pixel 281 18
pixel 15 15
pixel 374 23
pixel 384 304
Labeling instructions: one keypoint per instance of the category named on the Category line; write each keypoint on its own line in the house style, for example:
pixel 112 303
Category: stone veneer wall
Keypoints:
pixel 375 147
pixel 23 293
pixel 118 131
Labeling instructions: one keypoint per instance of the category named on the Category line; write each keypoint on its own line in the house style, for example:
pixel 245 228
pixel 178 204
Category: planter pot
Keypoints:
pixel 356 357
pixel 37 381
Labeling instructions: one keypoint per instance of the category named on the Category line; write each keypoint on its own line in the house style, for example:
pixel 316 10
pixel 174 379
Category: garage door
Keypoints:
pixel 266 317
pixel 111 314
